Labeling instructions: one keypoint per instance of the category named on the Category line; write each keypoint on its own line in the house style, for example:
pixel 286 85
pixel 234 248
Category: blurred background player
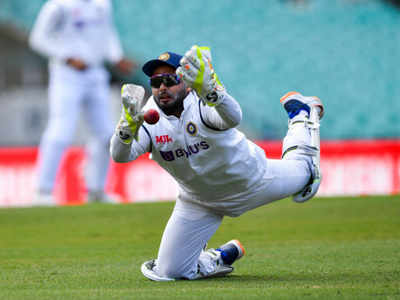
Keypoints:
pixel 79 38
pixel 219 171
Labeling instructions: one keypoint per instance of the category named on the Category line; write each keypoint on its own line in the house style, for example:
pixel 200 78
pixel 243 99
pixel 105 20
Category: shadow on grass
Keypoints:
pixel 381 277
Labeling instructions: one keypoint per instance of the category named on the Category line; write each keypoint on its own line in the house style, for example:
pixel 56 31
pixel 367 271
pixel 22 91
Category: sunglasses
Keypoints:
pixel 167 79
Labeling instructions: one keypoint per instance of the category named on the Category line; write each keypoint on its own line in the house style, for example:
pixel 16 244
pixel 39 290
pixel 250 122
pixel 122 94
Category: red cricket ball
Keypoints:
pixel 151 116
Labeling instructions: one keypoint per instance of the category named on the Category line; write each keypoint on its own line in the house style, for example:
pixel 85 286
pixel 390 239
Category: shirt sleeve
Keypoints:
pixel 115 49
pixel 227 114
pixel 115 52
pixel 45 32
pixel 121 152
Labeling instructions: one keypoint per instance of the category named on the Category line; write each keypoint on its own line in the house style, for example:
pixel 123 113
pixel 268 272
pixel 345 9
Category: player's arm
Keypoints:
pixel 46 39
pixel 130 140
pixel 227 114
pixel 115 53
pixel 122 152
pixel 220 110
pixel 44 34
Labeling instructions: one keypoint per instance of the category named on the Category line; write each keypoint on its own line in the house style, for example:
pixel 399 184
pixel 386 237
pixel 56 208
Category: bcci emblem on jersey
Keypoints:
pixel 191 128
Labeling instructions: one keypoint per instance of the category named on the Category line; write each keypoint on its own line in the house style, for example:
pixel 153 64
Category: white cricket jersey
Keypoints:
pixel 76 29
pixel 210 165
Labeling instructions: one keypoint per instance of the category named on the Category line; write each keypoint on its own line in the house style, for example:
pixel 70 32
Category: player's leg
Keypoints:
pixel 182 253
pixel 97 111
pixel 302 141
pixel 187 232
pixel 284 178
pixel 292 175
pixel 64 106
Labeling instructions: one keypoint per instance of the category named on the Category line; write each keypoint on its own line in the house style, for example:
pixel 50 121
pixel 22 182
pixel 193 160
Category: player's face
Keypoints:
pixel 168 91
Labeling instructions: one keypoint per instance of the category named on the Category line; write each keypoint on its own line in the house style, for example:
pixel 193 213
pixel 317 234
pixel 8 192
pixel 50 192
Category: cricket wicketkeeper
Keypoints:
pixel 219 171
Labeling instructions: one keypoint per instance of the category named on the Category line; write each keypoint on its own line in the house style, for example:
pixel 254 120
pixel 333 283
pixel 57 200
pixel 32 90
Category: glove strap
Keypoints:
pixel 214 98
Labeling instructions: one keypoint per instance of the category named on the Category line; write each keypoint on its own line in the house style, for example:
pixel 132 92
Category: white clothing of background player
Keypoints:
pixel 219 172
pixel 78 37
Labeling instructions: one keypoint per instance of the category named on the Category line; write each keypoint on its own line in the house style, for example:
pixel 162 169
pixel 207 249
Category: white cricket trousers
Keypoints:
pixel 191 225
pixel 66 102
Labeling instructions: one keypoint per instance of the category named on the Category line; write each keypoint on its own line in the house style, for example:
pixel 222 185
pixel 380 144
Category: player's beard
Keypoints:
pixel 175 105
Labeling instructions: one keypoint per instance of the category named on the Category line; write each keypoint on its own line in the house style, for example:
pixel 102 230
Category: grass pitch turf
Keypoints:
pixel 327 248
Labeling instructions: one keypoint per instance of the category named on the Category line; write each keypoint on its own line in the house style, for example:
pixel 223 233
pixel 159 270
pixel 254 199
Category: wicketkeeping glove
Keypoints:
pixel 132 115
pixel 198 73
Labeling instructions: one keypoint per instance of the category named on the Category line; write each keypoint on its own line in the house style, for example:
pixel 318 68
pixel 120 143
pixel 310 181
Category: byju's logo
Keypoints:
pixel 184 152
pixel 167 155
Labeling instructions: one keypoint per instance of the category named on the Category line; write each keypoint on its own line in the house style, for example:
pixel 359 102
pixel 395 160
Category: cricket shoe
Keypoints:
pixel 215 267
pixel 148 270
pixel 212 263
pixel 231 252
pixel 44 199
pixel 222 259
pixel 294 103
pixel 100 197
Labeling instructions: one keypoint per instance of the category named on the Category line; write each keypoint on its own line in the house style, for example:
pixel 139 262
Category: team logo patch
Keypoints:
pixel 191 128
pixel 164 56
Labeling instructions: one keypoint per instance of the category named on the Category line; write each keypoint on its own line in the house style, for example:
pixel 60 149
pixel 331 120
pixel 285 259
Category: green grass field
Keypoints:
pixel 327 248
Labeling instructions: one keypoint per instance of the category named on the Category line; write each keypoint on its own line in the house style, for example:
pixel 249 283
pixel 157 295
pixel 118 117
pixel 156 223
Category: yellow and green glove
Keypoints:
pixel 197 72
pixel 132 115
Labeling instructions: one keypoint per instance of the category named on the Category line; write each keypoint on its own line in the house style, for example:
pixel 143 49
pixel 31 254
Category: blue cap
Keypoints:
pixel 167 58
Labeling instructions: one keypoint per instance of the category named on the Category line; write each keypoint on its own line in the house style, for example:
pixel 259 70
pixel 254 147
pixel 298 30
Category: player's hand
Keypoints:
pixel 198 73
pixel 125 66
pixel 132 115
pixel 77 64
